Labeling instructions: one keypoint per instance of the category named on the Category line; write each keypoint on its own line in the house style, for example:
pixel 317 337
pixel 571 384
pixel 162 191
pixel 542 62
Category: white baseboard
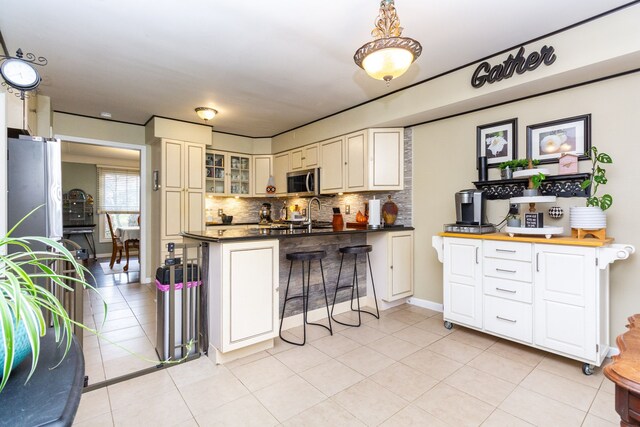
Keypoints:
pixel 426 304
pixel 613 351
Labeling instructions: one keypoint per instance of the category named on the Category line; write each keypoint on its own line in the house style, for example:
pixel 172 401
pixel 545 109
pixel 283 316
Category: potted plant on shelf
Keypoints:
pixel 534 187
pixel 592 216
pixel 506 169
pixel 24 299
pixel 513 220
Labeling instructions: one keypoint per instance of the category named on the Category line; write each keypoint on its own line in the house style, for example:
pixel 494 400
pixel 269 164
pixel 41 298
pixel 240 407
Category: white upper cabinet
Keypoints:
pixel 305 157
pixel 386 159
pixel 356 161
pixel 262 170
pixel 367 160
pixel 332 166
pixel 280 169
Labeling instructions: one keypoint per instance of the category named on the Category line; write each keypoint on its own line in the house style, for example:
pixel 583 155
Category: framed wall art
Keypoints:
pixel 548 141
pixel 497 141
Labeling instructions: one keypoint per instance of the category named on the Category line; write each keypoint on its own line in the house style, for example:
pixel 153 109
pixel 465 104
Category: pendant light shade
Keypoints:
pixel 389 56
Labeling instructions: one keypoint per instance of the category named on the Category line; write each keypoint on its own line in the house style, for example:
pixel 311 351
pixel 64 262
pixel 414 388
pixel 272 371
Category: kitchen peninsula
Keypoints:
pixel 247 267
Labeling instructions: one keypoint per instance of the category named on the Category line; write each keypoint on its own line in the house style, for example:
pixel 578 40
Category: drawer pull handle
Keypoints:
pixel 477 250
pixel 510 251
pixel 504 318
pixel 506 271
pixel 506 290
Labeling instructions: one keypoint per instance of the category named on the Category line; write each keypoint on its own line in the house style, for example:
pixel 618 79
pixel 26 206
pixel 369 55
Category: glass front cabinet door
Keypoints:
pixel 216 175
pixel 228 174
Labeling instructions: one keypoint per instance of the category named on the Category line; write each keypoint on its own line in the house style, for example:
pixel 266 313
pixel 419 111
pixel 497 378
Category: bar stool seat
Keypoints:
pixel 305 257
pixel 355 250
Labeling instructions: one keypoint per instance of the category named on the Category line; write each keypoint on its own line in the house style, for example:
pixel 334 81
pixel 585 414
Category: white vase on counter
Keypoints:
pixel 588 217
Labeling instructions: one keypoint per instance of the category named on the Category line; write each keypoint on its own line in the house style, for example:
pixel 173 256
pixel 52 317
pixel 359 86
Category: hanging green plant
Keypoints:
pixel 598 177
pixel 23 299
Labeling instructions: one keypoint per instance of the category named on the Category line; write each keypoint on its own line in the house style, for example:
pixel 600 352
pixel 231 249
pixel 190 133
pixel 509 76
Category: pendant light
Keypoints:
pixel 389 56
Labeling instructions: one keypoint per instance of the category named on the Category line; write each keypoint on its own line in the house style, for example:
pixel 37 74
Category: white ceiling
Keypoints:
pixel 266 66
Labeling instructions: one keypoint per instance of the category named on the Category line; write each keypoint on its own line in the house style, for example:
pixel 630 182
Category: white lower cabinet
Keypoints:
pixel 392 264
pixel 463 282
pixel 566 300
pixel 554 297
pixel 244 294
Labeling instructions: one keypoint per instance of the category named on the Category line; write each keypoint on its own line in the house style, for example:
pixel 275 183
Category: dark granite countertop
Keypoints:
pixel 268 233
pixel 220 224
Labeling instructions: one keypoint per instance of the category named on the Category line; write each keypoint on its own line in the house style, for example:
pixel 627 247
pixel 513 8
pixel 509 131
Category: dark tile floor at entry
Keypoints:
pixel 104 280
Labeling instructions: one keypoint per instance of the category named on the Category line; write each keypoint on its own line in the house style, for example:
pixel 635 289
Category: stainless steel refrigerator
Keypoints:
pixel 34 178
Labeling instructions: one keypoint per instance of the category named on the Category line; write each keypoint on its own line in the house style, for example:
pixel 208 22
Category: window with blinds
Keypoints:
pixel 119 196
pixel 118 190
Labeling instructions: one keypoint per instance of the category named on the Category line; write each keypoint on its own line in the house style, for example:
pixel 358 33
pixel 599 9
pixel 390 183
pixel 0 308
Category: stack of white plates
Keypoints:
pixel 588 218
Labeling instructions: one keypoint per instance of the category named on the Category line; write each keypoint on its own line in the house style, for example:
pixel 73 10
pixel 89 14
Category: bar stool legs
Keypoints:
pixel 308 257
pixel 355 291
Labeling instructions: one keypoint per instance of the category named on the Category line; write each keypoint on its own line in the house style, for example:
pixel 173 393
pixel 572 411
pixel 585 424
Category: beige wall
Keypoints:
pixel 240 144
pixel 104 130
pixel 615 108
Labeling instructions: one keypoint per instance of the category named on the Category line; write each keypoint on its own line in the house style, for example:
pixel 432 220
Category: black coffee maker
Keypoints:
pixel 470 207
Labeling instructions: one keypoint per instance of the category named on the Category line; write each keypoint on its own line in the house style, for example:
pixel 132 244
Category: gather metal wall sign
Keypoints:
pixel 485 73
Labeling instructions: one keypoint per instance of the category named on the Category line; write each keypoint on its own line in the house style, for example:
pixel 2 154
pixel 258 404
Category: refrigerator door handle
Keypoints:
pixel 54 188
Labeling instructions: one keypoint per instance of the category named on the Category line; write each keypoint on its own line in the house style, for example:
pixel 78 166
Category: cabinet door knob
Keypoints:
pixel 392 267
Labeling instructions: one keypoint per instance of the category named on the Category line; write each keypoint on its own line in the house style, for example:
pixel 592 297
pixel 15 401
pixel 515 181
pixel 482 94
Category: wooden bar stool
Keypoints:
pixel 355 250
pixel 308 257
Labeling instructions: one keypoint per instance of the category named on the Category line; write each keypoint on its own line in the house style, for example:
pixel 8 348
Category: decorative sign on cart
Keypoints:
pixel 485 73
pixel 533 220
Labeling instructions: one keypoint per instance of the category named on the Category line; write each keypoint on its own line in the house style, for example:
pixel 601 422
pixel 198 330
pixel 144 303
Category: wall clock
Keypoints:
pixel 20 74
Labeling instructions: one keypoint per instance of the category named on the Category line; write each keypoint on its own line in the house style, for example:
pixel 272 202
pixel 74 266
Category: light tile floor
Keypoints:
pixel 130 325
pixel 404 369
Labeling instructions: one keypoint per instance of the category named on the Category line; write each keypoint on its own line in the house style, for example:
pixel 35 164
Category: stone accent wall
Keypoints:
pixel 330 265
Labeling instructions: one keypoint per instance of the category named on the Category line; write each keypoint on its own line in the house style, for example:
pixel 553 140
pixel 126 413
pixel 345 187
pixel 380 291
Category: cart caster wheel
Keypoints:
pixel 587 369
pixel 448 325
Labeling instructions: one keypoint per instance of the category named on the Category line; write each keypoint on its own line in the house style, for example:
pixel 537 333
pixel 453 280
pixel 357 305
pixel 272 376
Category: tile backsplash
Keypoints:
pixel 247 209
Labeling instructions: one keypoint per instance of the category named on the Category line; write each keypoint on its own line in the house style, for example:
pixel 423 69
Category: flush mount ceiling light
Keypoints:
pixel 206 113
pixel 389 56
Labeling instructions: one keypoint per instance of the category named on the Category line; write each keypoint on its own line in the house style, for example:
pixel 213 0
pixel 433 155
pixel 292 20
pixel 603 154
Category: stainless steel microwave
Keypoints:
pixel 304 182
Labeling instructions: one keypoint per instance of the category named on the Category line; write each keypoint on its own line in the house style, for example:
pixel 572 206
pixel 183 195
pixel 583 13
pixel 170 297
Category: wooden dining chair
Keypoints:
pixel 128 245
pixel 117 244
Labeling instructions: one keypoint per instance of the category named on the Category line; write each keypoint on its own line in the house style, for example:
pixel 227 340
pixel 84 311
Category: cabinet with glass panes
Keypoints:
pixel 228 174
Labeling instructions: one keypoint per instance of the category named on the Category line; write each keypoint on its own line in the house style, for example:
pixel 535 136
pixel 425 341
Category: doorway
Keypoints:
pixel 112 175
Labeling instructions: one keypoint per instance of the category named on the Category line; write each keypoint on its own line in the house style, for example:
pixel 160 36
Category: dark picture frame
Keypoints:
pixel 497 141
pixel 548 141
